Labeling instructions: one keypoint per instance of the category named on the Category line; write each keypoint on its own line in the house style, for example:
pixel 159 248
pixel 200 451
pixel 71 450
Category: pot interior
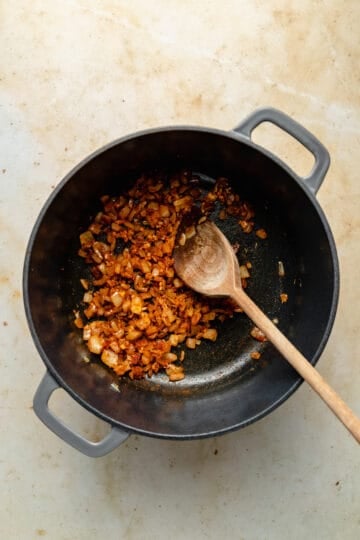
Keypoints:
pixel 224 388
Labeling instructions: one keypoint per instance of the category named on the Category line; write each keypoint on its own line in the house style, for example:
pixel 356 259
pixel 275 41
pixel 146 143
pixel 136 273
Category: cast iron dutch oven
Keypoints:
pixel 223 389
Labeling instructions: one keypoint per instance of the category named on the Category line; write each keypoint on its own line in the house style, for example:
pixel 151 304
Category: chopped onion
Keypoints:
pixel 95 344
pixel 86 333
pixel 109 357
pixel 86 238
pixel 191 343
pixel 117 298
pixel 138 307
pixel 257 334
pixel 84 283
pixel 190 232
pixel 133 334
pixel 210 333
pixel 244 272
pixel 169 357
pixel 175 373
pixel 87 297
pixel 261 233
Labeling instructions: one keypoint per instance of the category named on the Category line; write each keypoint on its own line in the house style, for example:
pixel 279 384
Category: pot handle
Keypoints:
pixel 92 449
pixel 309 141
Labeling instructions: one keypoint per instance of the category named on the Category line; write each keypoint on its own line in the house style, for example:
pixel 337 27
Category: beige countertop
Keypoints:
pixel 75 74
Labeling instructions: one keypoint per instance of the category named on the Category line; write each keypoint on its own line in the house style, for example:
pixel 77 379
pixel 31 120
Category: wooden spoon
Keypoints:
pixel 206 262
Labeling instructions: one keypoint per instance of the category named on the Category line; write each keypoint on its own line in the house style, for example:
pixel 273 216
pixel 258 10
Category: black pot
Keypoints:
pixel 224 389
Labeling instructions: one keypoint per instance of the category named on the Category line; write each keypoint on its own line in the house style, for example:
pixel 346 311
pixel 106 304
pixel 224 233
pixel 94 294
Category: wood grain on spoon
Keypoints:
pixel 207 263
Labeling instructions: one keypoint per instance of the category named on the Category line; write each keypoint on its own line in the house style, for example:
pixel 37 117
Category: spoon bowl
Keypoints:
pixel 206 262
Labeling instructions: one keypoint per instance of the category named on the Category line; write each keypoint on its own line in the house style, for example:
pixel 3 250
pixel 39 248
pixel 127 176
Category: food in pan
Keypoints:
pixel 137 315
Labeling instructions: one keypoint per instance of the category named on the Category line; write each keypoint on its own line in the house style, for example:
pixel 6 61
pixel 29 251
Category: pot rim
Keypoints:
pixel 239 137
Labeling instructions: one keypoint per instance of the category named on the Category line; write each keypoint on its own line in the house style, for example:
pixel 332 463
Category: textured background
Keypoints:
pixel 75 74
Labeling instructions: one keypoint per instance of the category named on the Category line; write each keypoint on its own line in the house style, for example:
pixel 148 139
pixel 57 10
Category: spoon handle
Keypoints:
pixel 299 363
